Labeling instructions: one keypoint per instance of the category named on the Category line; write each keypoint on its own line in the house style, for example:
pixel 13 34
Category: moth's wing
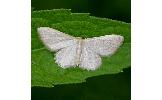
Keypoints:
pixel 89 60
pixel 104 45
pixel 57 41
pixel 54 39
pixel 66 57
pixel 95 47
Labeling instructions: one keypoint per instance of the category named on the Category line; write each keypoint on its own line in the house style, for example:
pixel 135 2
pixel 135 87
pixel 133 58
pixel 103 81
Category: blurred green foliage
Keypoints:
pixel 113 9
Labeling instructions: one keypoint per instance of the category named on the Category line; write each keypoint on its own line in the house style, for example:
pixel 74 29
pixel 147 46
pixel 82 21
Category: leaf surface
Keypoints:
pixel 46 73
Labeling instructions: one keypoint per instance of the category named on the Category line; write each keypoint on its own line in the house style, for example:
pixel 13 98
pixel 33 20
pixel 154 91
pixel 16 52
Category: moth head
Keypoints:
pixel 79 37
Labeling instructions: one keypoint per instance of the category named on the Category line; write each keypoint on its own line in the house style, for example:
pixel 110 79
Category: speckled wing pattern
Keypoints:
pixel 73 51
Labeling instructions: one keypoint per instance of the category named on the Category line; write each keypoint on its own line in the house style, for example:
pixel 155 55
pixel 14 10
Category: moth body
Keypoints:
pixel 75 51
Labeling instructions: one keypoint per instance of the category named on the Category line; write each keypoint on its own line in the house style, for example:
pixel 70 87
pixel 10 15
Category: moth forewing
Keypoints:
pixel 105 45
pixel 54 39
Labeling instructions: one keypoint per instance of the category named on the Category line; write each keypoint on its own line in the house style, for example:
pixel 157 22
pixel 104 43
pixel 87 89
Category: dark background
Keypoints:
pixel 114 9
pixel 105 87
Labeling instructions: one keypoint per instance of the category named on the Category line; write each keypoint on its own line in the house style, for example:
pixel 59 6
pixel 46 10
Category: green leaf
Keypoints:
pixel 46 73
pixel 103 87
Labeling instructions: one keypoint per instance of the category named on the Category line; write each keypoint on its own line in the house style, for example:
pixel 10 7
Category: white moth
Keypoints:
pixel 75 51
